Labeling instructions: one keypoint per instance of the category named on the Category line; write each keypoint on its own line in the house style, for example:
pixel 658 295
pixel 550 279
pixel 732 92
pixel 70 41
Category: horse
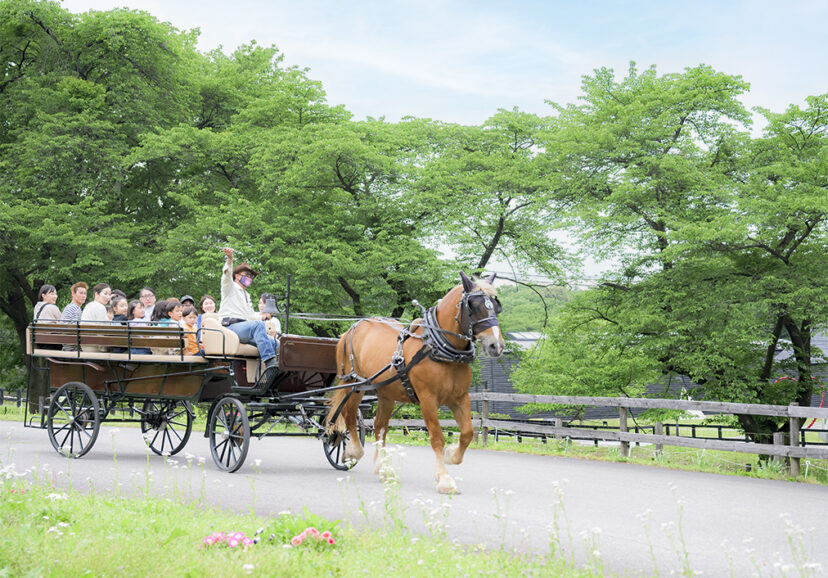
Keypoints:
pixel 427 362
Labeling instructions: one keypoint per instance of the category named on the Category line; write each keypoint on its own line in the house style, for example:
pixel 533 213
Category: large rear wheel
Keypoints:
pixel 334 445
pixel 229 434
pixel 166 425
pixel 73 419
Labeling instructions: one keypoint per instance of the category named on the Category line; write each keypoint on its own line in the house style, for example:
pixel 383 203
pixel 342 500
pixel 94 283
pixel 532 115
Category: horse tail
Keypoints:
pixel 336 413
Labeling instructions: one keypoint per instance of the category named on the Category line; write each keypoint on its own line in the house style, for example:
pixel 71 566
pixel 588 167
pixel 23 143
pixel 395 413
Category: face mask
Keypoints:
pixel 245 280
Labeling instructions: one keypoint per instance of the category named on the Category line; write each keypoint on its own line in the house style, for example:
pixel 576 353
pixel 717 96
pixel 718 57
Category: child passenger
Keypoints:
pixel 189 323
pixel 135 318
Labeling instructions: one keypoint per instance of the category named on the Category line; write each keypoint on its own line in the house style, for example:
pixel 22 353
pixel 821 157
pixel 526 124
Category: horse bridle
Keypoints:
pixel 470 327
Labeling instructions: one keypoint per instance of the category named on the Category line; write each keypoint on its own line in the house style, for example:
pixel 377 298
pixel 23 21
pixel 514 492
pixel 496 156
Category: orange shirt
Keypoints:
pixel 192 342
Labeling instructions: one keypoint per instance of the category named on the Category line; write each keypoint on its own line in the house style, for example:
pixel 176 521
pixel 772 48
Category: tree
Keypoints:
pixel 76 94
pixel 494 189
pixel 725 237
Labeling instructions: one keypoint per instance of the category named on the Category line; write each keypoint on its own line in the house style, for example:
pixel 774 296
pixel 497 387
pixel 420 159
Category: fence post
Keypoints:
pixel 796 423
pixel 778 440
pixel 484 412
pixel 622 427
pixel 19 397
pixel 2 394
pixel 658 429
pixel 558 423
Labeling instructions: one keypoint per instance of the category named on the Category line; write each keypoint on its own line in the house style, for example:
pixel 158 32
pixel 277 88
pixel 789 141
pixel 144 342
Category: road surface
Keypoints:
pixel 638 519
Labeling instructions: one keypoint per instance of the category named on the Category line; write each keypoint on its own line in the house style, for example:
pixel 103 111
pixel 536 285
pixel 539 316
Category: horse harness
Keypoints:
pixel 435 344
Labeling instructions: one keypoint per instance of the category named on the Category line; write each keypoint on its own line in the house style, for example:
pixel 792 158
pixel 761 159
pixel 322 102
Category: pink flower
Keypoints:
pixel 296 541
pixel 326 535
pixel 331 541
pixel 232 542
pixel 312 531
pixel 237 536
pixel 208 541
pixel 247 541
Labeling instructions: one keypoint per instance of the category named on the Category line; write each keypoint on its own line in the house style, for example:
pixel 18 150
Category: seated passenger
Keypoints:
pixel 95 311
pixel 189 320
pixel 236 312
pixel 120 308
pixel 135 318
pixel 72 312
pixel 164 310
pixel 45 308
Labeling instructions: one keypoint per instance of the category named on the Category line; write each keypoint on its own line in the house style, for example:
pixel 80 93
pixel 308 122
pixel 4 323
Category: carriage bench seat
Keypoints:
pixel 218 341
pixel 96 341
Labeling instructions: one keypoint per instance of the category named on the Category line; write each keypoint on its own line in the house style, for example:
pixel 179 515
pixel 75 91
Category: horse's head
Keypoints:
pixel 477 316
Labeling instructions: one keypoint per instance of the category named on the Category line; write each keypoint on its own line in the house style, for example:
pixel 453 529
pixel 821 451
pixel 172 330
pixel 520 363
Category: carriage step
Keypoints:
pixel 261 386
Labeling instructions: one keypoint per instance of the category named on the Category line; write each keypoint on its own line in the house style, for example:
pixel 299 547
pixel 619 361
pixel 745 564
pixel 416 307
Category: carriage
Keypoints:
pixel 85 374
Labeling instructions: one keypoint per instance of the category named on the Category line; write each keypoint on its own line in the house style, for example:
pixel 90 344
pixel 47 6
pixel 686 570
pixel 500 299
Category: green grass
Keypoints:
pixel 49 532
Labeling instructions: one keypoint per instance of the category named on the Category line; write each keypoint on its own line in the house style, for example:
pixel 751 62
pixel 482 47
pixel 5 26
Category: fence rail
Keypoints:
pixel 789 448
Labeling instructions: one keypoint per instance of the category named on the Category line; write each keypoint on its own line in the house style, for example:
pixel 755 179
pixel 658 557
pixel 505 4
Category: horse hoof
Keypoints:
pixel 446 485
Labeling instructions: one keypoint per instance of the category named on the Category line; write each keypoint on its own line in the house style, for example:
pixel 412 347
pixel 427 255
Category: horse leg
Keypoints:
pixel 353 449
pixel 445 483
pixel 384 408
pixel 453 454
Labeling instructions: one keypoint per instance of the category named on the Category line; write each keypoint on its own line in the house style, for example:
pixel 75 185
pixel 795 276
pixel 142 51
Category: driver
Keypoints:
pixel 236 311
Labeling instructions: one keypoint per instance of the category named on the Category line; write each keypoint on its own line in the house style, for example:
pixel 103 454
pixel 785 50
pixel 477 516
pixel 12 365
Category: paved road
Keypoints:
pixel 629 514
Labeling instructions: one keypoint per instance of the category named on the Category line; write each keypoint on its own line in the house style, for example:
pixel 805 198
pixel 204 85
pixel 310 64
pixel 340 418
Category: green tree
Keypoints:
pixel 77 92
pixel 723 239
pixel 494 189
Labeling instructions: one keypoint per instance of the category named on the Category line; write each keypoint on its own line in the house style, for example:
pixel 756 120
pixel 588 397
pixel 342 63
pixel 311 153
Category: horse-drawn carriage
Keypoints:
pixel 83 374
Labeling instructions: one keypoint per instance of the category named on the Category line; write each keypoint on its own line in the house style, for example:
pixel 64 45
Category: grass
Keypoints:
pixel 50 532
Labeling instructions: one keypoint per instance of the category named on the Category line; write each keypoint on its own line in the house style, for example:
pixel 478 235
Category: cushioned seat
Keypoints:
pixel 219 341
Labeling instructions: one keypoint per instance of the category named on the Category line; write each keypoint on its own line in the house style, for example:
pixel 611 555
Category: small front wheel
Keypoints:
pixel 229 434
pixel 166 425
pixel 334 445
pixel 73 419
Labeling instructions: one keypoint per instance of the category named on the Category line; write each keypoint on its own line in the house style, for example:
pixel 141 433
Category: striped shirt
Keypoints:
pixel 72 313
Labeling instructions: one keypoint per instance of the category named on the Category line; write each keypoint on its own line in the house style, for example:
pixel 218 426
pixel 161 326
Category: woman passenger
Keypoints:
pixel 45 308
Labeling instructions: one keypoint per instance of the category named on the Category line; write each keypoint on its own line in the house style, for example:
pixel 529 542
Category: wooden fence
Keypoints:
pixel 781 448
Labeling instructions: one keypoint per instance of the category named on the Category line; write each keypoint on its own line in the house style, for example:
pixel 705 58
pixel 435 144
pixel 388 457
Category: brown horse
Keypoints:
pixel 427 362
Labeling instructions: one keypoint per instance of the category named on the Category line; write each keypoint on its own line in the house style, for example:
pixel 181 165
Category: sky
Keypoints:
pixel 461 61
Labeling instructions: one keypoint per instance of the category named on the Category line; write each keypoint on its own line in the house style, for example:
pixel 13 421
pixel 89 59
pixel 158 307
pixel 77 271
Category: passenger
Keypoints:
pixel 96 310
pixel 190 318
pixel 207 304
pixel 159 313
pixel 72 312
pixel 237 312
pixel 148 299
pixel 45 308
pixel 135 318
pixel 119 293
pixel 165 310
pixel 187 300
pixel 120 308
pixel 175 310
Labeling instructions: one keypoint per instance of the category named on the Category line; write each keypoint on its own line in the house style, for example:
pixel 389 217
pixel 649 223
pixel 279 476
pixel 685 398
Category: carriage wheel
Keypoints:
pixel 73 419
pixel 229 433
pixel 166 425
pixel 334 445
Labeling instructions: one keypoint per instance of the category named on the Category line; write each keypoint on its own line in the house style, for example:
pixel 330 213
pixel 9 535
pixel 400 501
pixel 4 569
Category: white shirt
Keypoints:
pixel 94 311
pixel 148 313
pixel 235 301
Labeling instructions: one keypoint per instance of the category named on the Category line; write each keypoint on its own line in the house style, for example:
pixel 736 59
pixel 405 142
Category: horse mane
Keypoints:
pixel 486 287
